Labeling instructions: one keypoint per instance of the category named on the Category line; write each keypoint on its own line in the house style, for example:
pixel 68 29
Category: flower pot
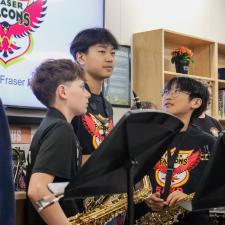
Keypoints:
pixel 182 66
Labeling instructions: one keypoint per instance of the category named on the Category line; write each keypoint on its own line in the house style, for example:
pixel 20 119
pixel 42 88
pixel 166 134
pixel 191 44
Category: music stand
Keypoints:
pixel 211 193
pixel 128 153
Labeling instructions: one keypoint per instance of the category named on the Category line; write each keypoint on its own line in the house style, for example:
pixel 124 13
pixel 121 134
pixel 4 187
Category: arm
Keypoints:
pixel 37 189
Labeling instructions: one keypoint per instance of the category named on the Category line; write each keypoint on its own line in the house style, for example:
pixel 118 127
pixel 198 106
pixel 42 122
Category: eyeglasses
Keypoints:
pixel 173 93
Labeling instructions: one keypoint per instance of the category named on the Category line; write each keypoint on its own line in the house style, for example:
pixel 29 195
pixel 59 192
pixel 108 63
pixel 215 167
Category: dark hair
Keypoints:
pixel 89 37
pixel 50 74
pixel 195 89
pixel 144 105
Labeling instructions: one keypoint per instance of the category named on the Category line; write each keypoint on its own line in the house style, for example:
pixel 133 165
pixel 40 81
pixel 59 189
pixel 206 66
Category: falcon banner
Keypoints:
pixel 19 20
pixel 32 31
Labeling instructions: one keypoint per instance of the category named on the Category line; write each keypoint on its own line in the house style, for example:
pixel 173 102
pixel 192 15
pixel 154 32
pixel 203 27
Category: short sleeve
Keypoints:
pixel 57 152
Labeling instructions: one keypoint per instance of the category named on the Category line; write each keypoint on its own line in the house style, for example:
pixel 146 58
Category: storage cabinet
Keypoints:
pixel 152 66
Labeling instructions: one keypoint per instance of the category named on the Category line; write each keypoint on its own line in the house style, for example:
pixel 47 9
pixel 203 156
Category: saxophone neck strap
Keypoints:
pixel 170 165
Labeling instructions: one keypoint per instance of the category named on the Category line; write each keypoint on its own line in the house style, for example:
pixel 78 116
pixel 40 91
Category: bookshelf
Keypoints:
pixel 152 66
pixel 221 83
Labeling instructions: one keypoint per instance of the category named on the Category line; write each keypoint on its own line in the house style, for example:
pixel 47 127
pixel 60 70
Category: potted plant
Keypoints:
pixel 182 56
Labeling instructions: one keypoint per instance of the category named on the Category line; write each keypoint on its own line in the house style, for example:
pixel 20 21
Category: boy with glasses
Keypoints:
pixel 177 173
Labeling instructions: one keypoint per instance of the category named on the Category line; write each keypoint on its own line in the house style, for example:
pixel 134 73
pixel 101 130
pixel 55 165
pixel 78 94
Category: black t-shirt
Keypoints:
pixel 195 148
pixel 54 150
pixel 209 125
pixel 92 127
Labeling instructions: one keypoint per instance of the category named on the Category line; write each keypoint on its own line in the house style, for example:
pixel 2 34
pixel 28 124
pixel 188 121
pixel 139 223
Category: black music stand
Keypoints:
pixel 128 153
pixel 211 193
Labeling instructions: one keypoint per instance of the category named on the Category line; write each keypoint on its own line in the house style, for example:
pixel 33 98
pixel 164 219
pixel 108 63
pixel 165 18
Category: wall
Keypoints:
pixel 118 113
pixel 203 18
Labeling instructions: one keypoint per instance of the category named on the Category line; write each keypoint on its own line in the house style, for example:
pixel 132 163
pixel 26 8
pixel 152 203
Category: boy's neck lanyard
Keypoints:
pixel 93 105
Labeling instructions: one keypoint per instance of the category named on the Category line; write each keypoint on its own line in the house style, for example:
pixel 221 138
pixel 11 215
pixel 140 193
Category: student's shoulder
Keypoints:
pixel 197 132
pixel 59 125
pixel 215 122
pixel 51 121
pixel 210 118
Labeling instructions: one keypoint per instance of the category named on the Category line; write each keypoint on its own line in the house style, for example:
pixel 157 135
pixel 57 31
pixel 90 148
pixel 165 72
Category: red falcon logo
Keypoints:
pixel 27 21
pixel 189 159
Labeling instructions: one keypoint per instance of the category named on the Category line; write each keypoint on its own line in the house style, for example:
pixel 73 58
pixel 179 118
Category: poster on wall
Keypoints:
pixel 117 88
pixel 32 31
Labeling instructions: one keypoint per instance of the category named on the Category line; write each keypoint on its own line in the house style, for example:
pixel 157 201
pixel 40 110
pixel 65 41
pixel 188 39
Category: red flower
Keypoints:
pixel 182 53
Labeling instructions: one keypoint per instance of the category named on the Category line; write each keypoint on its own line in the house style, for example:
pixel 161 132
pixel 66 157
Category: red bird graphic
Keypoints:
pixel 36 11
pixel 192 162
pixel 95 128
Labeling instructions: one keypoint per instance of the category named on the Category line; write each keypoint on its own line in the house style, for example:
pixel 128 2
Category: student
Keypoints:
pixel 54 154
pixel 188 153
pixel 206 122
pixel 94 49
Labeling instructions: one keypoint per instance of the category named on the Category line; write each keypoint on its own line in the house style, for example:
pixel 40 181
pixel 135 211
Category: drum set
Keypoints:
pixel 217 216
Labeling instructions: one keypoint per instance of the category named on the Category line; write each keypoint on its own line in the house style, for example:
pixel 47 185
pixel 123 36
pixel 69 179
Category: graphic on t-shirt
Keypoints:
pixel 185 162
pixel 97 126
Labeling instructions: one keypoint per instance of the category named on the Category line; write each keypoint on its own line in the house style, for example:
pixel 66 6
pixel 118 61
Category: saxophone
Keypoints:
pixel 111 208
pixel 168 216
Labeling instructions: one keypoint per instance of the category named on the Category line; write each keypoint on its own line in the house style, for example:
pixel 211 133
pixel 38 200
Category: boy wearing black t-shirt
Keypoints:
pixel 186 156
pixel 94 49
pixel 54 154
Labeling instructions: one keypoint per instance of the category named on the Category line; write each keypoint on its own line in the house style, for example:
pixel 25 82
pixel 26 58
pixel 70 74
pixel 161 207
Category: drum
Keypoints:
pixel 217 216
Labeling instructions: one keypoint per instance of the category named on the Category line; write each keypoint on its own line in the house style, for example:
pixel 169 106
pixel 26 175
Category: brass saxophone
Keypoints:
pixel 111 208
pixel 167 216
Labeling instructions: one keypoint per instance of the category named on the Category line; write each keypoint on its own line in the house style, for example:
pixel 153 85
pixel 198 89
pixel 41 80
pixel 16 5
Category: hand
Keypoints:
pixel 175 196
pixel 155 202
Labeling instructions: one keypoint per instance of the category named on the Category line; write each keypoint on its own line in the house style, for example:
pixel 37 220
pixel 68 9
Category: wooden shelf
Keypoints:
pixel 221 84
pixel 20 195
pixel 221 55
pixel 169 75
pixel 152 66
pixel 185 39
